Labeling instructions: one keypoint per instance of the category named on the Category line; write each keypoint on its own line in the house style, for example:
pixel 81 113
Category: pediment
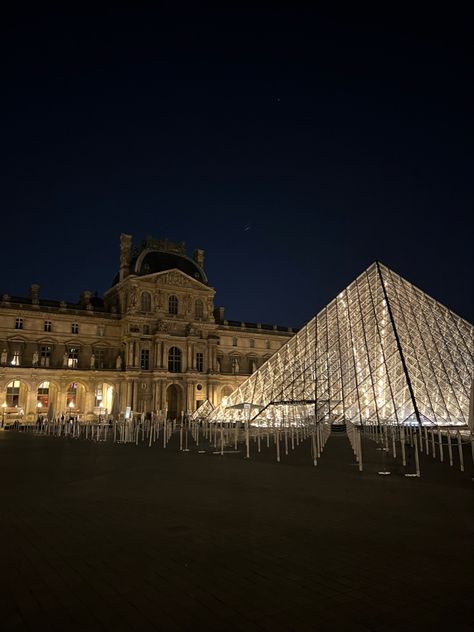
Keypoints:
pixel 176 278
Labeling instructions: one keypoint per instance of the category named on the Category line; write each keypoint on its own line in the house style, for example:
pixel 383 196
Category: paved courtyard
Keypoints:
pixel 124 537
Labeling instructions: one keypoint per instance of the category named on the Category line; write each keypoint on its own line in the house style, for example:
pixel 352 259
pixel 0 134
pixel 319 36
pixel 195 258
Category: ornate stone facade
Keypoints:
pixel 153 342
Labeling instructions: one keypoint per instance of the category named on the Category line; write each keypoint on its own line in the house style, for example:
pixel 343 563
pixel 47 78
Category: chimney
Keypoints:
pixel 219 314
pixel 198 257
pixel 125 255
pixel 34 293
pixel 85 299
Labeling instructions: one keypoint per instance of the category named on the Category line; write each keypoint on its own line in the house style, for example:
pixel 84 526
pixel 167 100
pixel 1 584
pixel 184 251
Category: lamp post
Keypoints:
pixel 4 405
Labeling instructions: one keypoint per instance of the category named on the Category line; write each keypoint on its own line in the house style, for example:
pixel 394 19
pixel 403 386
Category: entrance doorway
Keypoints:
pixel 173 401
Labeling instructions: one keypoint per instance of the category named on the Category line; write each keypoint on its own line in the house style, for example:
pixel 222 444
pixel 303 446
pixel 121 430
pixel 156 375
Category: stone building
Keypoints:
pixel 153 342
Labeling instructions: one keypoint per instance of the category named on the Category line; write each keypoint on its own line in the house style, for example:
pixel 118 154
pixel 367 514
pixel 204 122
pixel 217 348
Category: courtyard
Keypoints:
pixel 102 536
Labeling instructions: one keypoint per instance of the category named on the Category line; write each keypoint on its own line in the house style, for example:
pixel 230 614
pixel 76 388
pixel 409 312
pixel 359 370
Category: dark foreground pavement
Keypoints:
pixel 120 537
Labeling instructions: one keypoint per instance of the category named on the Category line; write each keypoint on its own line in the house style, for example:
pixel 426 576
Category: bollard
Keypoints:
pixel 461 457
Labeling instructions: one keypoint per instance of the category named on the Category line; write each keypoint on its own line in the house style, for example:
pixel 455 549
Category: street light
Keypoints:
pixel 4 405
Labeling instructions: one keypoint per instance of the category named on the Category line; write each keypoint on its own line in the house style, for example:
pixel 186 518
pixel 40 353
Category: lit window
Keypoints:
pixel 145 359
pixel 200 361
pixel 45 355
pixel 98 397
pixel 19 323
pixel 174 360
pixel 13 393
pixel 47 325
pixel 72 357
pixel 173 304
pixel 199 309
pixel 146 302
pixel 74 328
pixel 43 395
pixel 71 396
pixel 16 359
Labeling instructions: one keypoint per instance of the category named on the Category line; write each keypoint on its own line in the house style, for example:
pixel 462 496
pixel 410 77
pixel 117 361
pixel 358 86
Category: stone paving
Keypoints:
pixel 124 537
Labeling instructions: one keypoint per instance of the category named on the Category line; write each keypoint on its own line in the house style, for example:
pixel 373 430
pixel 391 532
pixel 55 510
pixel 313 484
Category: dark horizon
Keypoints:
pixel 295 146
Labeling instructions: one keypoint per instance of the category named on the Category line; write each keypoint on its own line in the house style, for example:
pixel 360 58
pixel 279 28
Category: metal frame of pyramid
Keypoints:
pixel 382 352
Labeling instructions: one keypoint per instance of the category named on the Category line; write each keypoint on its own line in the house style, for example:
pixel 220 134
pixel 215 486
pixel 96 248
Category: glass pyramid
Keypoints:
pixel 382 351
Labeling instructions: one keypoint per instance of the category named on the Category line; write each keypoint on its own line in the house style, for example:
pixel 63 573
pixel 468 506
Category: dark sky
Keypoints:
pixel 294 145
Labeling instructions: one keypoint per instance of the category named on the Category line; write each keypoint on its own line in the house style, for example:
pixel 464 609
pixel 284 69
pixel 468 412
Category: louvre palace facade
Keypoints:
pixel 154 342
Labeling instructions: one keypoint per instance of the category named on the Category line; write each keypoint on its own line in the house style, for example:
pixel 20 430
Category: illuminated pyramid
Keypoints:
pixel 381 352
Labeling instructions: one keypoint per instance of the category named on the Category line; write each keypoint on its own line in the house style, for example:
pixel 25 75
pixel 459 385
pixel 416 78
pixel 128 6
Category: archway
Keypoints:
pixel 75 398
pixel 173 401
pixel 226 391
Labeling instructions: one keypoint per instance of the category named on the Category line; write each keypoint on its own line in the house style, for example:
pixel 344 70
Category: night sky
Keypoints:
pixel 294 145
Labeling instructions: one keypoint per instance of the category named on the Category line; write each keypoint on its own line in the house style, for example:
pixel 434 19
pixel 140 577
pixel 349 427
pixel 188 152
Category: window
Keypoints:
pixel 145 359
pixel 146 302
pixel 98 397
pixel 100 330
pixel 99 358
pixel 173 304
pixel 174 360
pixel 45 355
pixel 199 309
pixel 252 343
pixel 72 357
pixel 71 395
pixel 234 342
pixel 43 396
pixel 16 358
pixel 19 323
pixel 235 365
pixel 200 361
pixel 47 325
pixel 268 344
pixel 146 330
pixel 74 328
pixel 13 393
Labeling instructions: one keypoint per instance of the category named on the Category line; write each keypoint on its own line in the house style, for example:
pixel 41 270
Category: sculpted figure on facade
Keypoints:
pixel 133 297
pixel 92 361
pixel 162 325
pixel 118 362
pixel 159 301
pixel 4 357
pixel 65 359
pixel 35 359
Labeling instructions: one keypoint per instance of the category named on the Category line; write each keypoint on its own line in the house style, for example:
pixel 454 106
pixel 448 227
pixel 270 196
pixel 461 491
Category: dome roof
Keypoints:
pixel 152 260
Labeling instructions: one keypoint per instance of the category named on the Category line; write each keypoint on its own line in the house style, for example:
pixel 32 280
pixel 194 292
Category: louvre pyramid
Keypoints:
pixel 382 351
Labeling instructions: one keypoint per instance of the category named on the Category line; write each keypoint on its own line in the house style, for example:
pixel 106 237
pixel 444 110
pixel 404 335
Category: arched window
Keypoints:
pixel 13 393
pixel 71 395
pixel 146 302
pixel 43 396
pixel 199 309
pixel 173 304
pixel 174 360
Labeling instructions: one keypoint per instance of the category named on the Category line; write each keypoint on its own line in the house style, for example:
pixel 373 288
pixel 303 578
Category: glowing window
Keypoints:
pixel 13 393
